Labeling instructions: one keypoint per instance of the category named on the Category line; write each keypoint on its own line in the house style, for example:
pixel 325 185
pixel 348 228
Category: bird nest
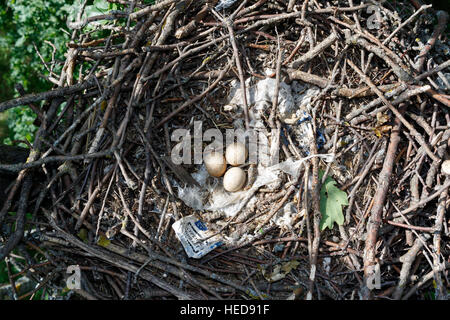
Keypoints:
pixel 349 203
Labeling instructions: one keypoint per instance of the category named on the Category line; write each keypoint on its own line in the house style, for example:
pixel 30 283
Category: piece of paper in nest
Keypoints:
pixel 294 107
pixel 192 233
pixel 294 100
pixel 224 4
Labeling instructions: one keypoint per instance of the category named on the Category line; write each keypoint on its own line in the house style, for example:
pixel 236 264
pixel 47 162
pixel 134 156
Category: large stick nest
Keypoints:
pixel 98 189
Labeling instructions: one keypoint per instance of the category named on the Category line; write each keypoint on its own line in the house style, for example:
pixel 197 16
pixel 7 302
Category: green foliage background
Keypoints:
pixel 23 24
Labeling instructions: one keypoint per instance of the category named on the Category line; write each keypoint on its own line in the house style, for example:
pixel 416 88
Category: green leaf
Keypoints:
pixel 83 235
pixel 331 201
pixel 103 241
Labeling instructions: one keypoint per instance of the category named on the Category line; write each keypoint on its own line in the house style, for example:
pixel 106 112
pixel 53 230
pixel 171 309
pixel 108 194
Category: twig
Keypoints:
pixel 440 27
pixel 377 209
pixel 194 100
pixel 320 47
pixel 37 163
pixel 48 95
pixel 20 219
pixel 412 130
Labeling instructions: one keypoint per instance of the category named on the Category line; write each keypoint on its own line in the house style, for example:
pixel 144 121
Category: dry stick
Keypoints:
pixel 128 212
pixel 79 120
pixel 156 7
pixel 129 182
pixel 424 280
pixel 277 207
pixel 402 74
pixel 229 24
pixel 20 219
pixel 404 96
pixel 21 166
pixel 315 195
pixel 307 77
pixel 47 278
pixel 162 218
pixel 424 201
pixel 189 28
pixel 377 210
pixel 428 73
pixel 386 41
pixel 355 16
pixel 120 262
pixel 123 73
pixel 335 246
pixel 306 208
pixel 343 92
pixel 92 198
pixel 166 261
pixel 297 46
pixel 81 24
pixel 190 52
pixel 195 99
pixel 389 53
pixel 407 259
pixel 334 10
pixel 440 214
pixel 8 201
pixel 331 82
pixel 442 24
pixel 168 23
pixel 441 153
pixel 320 47
pixel 254 18
pixel 411 129
pixel 116 84
pixel 378 81
pixel 102 209
pixel 45 189
pixel 439 97
pixel 249 9
pixel 99 134
pixel 72 54
pixel 11 279
pixel 33 156
pixel 303 11
pixel 111 54
pixel 182 56
pixel 35 108
pixel 411 227
pixel 419 158
pixel 277 86
pixel 257 237
pixel 48 95
pixel 180 273
pixel 291 4
pixel 422 8
pixel 379 49
pixel 93 43
pixel 367 168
